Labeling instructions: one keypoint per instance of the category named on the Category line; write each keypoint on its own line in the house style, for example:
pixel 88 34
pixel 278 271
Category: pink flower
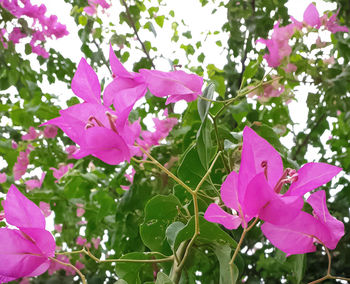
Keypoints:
pixel 45 208
pixel 311 16
pixel 80 212
pixel 58 228
pixel 91 9
pixel 32 134
pixel 331 24
pixel 98 130
pixel 177 85
pixel 3 177
pixel 16 35
pixel 14 144
pixel 298 237
pixel 50 131
pixel 255 192
pixel 96 242
pixel 80 241
pixel 24 252
pixel 34 183
pixel 126 88
pixel 329 61
pixel 61 171
pixel 70 150
pixel 20 167
pixel 290 68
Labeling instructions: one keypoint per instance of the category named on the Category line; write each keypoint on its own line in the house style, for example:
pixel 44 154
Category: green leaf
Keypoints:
pixel 204 105
pixel 191 170
pixel 223 253
pixel 82 20
pixel 172 231
pixel 205 148
pixel 187 34
pixel 160 20
pixel 160 212
pixel 298 264
pixel 135 272
pixel 162 278
pixel 210 233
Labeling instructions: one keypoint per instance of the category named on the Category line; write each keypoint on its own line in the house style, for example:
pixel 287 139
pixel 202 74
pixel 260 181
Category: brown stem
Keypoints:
pixel 83 280
pixel 132 24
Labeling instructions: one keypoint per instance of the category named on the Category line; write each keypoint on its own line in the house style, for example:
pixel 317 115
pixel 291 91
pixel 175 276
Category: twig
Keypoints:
pixel 83 280
pixel 136 33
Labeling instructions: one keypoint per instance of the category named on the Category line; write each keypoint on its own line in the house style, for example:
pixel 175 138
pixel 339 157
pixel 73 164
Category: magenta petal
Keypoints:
pixel 257 195
pixel 282 210
pixel 311 176
pixel 117 68
pixel 229 191
pixel 336 228
pixel 215 214
pixel 15 254
pixel 311 16
pixel 176 83
pixel 296 237
pixel 105 144
pixel 21 212
pixel 255 151
pixel 85 83
pixel 43 240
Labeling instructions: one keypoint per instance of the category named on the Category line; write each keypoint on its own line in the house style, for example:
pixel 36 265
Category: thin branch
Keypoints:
pixel 207 173
pixel 164 169
pixel 136 33
pixel 103 57
pixel 83 280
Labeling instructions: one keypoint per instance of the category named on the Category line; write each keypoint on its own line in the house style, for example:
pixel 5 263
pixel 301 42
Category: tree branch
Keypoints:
pixel 132 24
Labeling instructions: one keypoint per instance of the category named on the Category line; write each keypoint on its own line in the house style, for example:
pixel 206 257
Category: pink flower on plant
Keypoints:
pixel 70 150
pixel 34 183
pixel 45 208
pixel 14 144
pixel 91 9
pixel 20 167
pixel 3 177
pixel 24 252
pixel 311 16
pixel 80 210
pixel 290 68
pixel 61 171
pixel 331 24
pixel 177 85
pixel 16 35
pixel 80 241
pixel 58 228
pixel 255 192
pixel 31 135
pixel 96 242
pixel 50 131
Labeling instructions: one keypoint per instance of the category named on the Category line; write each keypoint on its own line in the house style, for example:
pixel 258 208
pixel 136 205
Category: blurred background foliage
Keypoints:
pixel 121 218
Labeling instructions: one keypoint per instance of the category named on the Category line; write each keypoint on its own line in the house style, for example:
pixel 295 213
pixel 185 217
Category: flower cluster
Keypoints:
pixel 256 192
pixel 24 251
pixel 106 133
pixel 93 4
pixel 278 45
pixel 43 27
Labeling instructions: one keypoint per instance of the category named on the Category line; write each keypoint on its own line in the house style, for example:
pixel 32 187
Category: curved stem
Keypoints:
pixel 164 169
pixel 328 275
pixel 82 277
pixel 245 231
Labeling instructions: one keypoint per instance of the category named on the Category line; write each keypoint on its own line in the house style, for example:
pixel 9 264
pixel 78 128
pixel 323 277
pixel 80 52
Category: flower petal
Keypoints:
pixel 311 16
pixel 85 83
pixel 216 215
pixel 311 176
pixel 21 212
pixel 255 151
pixel 229 191
pixel 117 68
pixel 336 228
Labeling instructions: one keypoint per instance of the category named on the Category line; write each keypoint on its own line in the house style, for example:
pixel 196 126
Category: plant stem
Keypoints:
pixel 164 169
pixel 207 173
pixel 245 231
pixel 328 275
pixel 132 24
pixel 83 280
